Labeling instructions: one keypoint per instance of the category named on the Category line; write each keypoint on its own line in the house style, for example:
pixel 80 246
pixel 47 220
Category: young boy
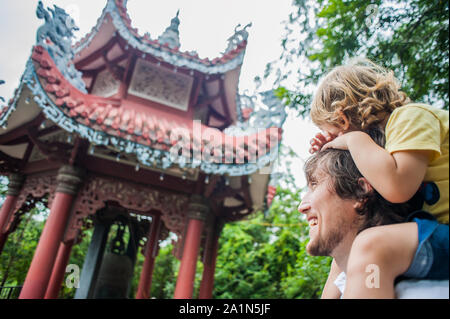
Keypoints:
pixel 352 99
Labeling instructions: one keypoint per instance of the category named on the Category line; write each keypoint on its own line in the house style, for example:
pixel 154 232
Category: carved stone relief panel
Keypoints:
pixel 161 85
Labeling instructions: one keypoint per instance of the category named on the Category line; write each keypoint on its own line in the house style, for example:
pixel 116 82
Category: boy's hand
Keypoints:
pixel 319 141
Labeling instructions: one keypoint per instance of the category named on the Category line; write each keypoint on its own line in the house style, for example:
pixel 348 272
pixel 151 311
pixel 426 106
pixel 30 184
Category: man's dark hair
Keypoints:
pixel 345 176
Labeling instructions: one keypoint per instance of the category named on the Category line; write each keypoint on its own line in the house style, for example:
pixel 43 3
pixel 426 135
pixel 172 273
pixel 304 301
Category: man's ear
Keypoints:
pixel 367 187
pixel 364 183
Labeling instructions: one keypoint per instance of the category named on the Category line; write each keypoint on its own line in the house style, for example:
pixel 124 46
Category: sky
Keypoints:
pixel 205 26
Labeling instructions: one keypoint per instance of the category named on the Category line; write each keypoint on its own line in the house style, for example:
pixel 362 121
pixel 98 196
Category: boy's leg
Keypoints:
pixel 378 255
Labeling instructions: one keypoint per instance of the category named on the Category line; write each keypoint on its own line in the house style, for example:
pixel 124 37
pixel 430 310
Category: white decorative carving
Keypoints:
pixel 161 85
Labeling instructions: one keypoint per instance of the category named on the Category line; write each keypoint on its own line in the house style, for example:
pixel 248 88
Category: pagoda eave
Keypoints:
pixel 79 113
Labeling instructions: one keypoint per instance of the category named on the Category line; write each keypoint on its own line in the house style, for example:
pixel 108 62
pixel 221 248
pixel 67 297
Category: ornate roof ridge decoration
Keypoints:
pixel 171 36
pixel 238 37
pixel 116 9
pixel 56 37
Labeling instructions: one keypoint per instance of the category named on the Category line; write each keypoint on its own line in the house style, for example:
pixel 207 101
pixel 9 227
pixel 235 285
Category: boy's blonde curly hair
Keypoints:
pixel 361 90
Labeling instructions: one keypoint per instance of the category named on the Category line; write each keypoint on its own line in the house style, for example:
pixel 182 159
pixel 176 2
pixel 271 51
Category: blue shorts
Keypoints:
pixel 431 259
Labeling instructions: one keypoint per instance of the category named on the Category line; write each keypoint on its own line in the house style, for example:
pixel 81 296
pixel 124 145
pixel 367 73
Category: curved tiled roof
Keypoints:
pixel 143 127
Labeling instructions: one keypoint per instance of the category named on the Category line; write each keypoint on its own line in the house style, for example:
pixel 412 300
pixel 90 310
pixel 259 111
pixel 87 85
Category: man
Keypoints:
pixel 339 204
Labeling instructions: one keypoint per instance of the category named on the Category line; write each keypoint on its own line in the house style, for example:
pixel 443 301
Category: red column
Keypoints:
pixel 14 187
pixel 40 270
pixel 59 269
pixel 186 275
pixel 145 281
pixel 209 266
pixel 185 282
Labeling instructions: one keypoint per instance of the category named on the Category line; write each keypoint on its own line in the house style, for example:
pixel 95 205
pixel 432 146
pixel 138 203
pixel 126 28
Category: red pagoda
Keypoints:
pixel 128 131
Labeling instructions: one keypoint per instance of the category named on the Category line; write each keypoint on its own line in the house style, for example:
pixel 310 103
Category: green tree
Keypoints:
pixel 411 37
pixel 164 276
pixel 19 249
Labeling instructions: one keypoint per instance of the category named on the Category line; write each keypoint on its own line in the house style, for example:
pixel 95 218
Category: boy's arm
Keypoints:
pixel 396 176
pixel 330 291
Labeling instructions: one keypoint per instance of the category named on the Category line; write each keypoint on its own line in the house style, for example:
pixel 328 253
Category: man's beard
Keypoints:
pixel 325 246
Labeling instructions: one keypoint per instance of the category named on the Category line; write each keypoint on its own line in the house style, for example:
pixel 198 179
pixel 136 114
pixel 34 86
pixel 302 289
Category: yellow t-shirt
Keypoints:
pixel 422 127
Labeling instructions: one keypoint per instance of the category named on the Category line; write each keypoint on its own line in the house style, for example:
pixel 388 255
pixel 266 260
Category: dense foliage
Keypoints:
pixel 410 37
pixel 19 249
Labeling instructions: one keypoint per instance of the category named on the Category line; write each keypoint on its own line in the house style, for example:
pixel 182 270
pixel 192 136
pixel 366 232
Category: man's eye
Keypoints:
pixel 312 185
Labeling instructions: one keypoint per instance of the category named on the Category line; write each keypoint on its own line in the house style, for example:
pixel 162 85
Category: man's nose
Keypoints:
pixel 304 206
